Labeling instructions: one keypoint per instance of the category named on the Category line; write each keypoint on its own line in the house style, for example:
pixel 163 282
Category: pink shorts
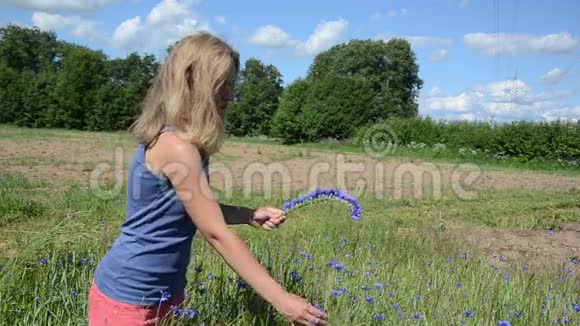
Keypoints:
pixel 106 311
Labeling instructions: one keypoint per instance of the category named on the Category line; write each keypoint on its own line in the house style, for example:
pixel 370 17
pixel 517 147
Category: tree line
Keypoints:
pixel 47 82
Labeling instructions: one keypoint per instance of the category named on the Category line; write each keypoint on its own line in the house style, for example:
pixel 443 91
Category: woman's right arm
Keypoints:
pixel 182 164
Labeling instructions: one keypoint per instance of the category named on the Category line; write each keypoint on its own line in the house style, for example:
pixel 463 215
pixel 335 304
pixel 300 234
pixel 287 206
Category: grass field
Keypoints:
pixel 511 254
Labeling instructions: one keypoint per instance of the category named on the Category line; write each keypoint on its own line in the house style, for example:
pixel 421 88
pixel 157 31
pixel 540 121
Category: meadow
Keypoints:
pixel 511 254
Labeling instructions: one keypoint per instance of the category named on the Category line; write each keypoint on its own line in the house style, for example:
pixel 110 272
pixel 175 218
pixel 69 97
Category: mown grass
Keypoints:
pixel 396 256
pixel 111 140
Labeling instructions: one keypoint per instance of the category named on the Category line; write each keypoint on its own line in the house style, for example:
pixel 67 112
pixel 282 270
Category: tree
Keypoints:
pixel 390 68
pixel 78 80
pixel 257 98
pixel 27 48
pixel 337 107
pixel 9 93
pixel 288 122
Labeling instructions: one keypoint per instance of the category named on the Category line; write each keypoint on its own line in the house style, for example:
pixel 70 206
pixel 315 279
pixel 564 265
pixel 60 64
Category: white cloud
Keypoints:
pixel 220 20
pixel 459 103
pixel 376 17
pixel 270 36
pixel 554 76
pixel 166 23
pixel 127 34
pixel 566 113
pixel 440 55
pixel 392 13
pixel 435 91
pixel 502 43
pixel 56 5
pixel 325 35
pixel 419 41
pixel 505 100
pixel 467 116
pixel 75 25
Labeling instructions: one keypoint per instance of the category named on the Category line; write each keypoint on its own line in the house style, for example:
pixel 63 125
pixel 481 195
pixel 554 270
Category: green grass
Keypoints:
pixel 399 244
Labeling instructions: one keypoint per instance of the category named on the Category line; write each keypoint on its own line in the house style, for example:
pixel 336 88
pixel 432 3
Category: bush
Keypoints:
pixel 523 139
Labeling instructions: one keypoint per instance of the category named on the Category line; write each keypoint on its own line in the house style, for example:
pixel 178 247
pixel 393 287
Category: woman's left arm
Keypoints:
pixel 264 217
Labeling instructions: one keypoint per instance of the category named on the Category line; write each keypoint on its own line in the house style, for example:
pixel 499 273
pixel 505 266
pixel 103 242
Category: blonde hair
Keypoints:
pixel 184 93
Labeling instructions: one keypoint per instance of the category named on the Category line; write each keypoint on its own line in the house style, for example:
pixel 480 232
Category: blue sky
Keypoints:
pixel 501 59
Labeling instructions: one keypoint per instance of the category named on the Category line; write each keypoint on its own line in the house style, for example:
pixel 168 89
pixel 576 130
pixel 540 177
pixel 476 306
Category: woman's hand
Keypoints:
pixel 268 218
pixel 299 311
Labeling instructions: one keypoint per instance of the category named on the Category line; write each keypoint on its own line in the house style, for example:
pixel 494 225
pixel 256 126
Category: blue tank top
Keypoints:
pixel 153 250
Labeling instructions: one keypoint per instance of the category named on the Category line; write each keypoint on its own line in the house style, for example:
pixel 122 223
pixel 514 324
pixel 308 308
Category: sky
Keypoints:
pixel 479 59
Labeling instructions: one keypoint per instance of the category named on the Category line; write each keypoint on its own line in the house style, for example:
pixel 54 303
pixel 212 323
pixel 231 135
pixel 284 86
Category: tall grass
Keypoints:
pixel 395 263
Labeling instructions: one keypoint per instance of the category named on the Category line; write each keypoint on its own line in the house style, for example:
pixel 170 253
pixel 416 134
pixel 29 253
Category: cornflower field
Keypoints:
pixel 508 257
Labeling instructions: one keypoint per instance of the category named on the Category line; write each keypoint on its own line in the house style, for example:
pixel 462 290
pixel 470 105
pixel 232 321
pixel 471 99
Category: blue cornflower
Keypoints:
pixel 464 255
pixel 524 268
pixel 507 278
pixel 576 307
pixel 417 315
pixel 452 271
pixel 198 269
pixel 296 277
pixel 242 285
pixel 575 261
pixel 516 314
pixel 449 260
pixel 550 232
pixel 297 261
pixel 190 313
pixel 392 294
pixel 338 266
pixel 356 208
pixel 82 262
pixel 177 312
pixel 336 293
pixel 43 261
pixel 494 267
pixel 560 278
pixel 370 299
pixel 306 255
pixel 211 275
pixel 378 316
pixel 74 293
pixel 364 287
pixel 396 306
pixel 469 314
pixel 504 323
pixel 379 286
pixel 165 296
pixel 419 297
pixel 458 284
